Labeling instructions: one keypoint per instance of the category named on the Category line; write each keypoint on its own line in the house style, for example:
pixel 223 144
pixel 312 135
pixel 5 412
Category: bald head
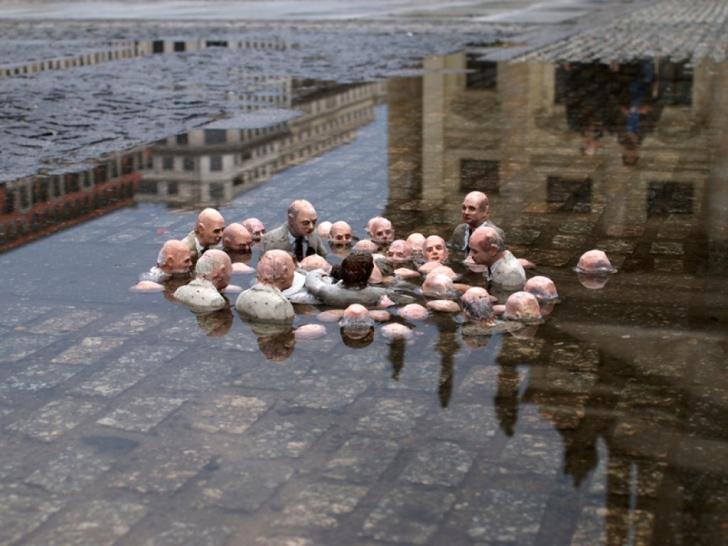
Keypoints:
pixel 594 262
pixel 235 238
pixel 340 233
pixel 214 266
pixel 438 285
pixel 209 227
pixel 276 268
pixel 380 230
pixel 542 287
pixel 174 258
pixel 301 218
pixel 417 242
pixel 477 306
pixel 486 246
pixel 435 249
pixel 365 246
pixel 399 252
pixel 313 262
pixel 255 227
pixel 475 208
pixel 523 307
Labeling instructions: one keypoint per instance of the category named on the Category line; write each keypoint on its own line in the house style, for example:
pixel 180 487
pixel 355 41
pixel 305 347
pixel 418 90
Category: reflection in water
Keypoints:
pixel 629 379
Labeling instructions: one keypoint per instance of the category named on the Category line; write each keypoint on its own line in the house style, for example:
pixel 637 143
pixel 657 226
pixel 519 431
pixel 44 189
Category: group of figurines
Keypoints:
pixel 369 281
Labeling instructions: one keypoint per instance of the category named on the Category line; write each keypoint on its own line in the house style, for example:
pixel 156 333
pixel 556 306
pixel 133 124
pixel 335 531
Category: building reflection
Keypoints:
pixel 211 166
pixel 36 206
pixel 632 156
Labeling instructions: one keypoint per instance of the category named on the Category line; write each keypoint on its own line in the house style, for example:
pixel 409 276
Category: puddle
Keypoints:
pixel 606 421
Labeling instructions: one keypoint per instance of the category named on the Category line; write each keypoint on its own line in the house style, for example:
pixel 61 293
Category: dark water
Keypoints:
pixel 605 424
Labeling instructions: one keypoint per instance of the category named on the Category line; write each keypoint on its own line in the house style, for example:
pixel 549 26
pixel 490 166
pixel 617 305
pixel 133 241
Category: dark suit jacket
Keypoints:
pixel 278 239
pixel 458 235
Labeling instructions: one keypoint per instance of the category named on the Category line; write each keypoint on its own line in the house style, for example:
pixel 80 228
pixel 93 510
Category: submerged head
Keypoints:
pixel 255 227
pixel 435 249
pixel 523 307
pixel 174 258
pixel 209 227
pixel 301 218
pixel 276 268
pixel 380 230
pixel 477 306
pixel 475 208
pixel 486 246
pixel 214 266
pixel 594 262
pixel 235 238
pixel 439 285
pixel 399 252
pixel 542 287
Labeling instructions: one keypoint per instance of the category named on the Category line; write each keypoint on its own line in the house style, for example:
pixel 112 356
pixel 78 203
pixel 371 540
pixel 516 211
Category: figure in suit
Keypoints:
pixel 207 233
pixel 476 210
pixel 298 236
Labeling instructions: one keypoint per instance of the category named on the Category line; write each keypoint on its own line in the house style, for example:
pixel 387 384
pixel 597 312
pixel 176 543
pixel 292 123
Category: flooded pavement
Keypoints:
pixel 126 419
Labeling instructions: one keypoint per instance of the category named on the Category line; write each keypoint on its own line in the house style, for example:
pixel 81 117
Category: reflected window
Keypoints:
pixel 215 136
pixel 217 191
pixel 574 194
pixel 180 46
pixel 481 74
pixel 481 175
pixel 9 202
pixel 216 43
pixel 100 174
pixel 148 187
pixel 215 162
pixel 665 198
pixel 158 46
pixel 172 188
pixel 167 163
pixel 188 164
pixel 182 139
pixel 24 201
pixel 676 83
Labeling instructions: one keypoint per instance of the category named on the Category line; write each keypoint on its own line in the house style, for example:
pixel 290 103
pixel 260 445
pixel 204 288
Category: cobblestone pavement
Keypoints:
pixel 123 422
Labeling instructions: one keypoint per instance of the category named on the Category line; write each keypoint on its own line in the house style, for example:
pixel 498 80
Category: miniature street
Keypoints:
pixel 127 419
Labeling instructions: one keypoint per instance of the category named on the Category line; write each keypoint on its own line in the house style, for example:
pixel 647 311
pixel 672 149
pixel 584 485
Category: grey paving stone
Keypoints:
pixel 90 350
pixel 185 332
pixel 98 522
pixel 521 236
pixel 204 374
pixel 193 534
pixel 55 418
pixel 284 540
pixel 21 312
pixel 531 453
pixel 472 423
pixel 616 246
pixel 568 241
pixel 16 347
pixel 141 414
pixel 668 248
pixel 72 470
pixel 244 485
pixel 498 516
pixel 269 375
pixel 132 324
pixel 328 393
pixel 38 377
pixel 126 371
pixel 441 463
pixel 226 413
pixel 22 510
pixel 161 468
pixel 361 460
pixel 275 436
pixel 407 515
pixel 598 524
pixel 392 417
pixel 319 504
pixel 127 235
pixel 69 321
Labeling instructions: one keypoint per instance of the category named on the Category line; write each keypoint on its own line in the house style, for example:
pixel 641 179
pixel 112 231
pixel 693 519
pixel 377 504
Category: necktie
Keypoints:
pixel 467 239
pixel 299 248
